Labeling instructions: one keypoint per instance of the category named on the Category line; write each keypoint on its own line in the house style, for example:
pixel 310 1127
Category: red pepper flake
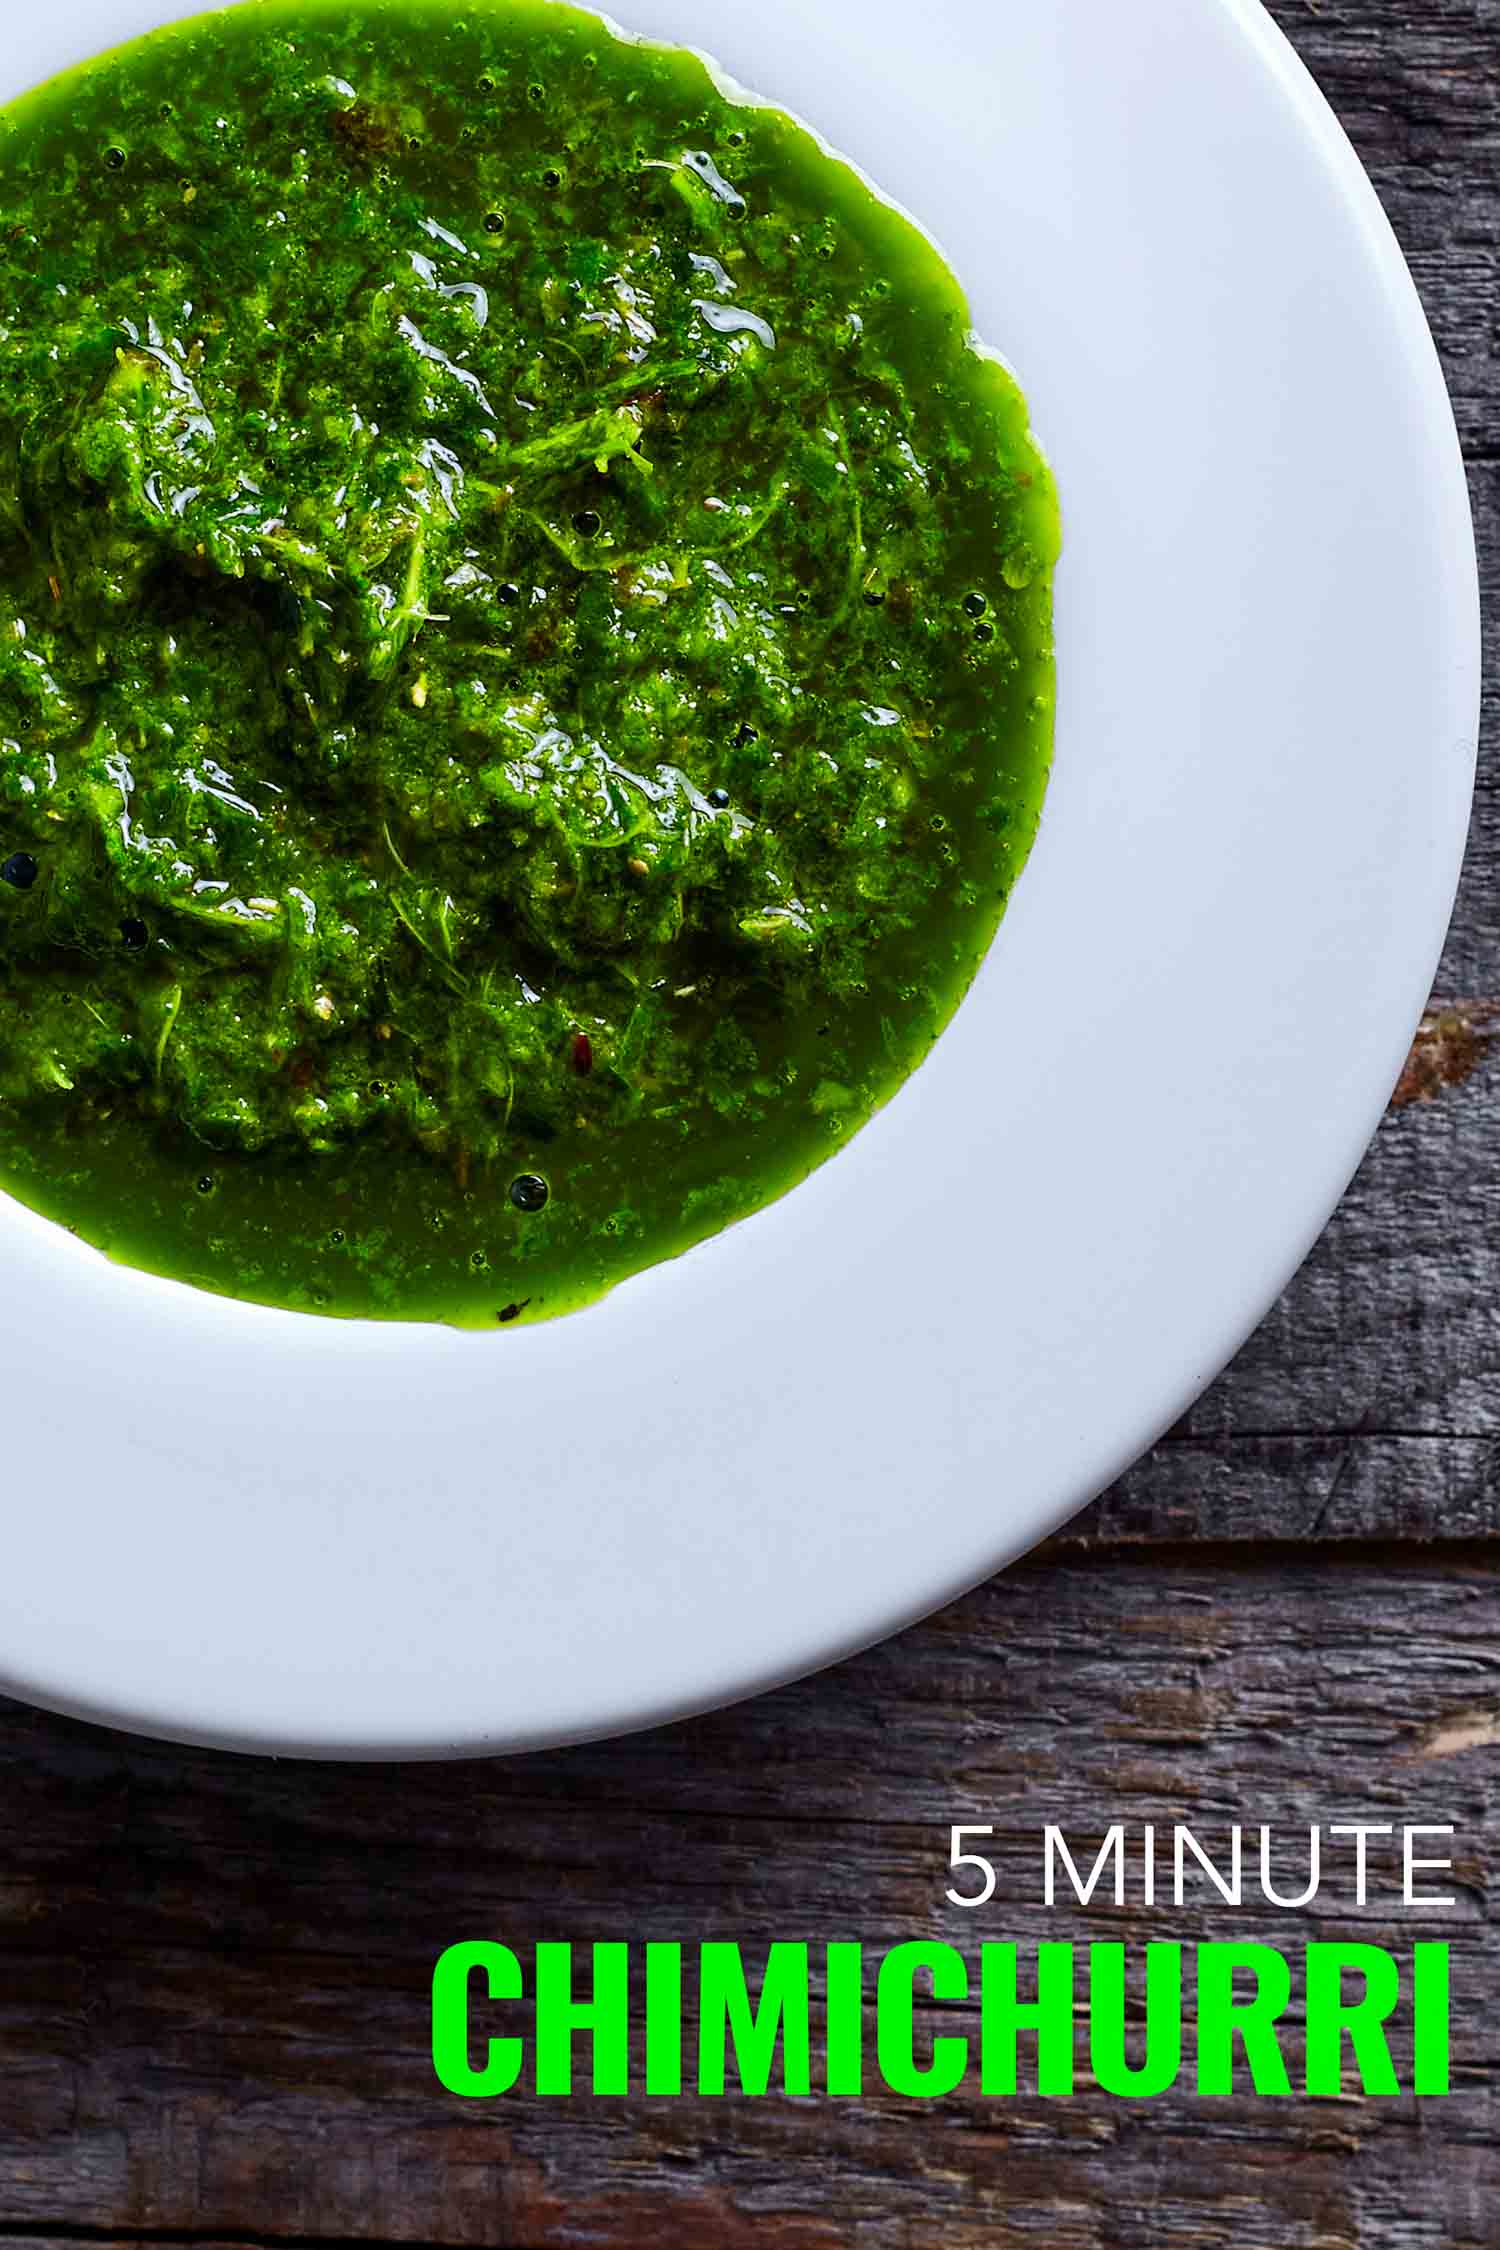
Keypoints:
pixel 583 1054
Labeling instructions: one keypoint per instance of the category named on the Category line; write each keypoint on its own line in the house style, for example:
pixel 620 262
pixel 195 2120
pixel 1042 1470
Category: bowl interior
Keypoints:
pixel 251 1528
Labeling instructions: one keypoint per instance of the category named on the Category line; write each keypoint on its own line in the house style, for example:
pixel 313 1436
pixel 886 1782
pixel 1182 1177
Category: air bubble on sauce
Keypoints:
pixel 698 160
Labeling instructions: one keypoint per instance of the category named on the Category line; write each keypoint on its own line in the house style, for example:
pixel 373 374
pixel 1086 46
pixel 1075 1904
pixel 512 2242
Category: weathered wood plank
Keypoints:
pixel 213 2007
pixel 1334 1485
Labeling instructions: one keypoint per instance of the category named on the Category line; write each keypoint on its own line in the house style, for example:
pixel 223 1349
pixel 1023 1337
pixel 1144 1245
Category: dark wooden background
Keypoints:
pixel 213 1973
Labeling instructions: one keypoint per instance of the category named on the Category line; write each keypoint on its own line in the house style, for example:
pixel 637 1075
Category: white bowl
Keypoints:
pixel 242 1527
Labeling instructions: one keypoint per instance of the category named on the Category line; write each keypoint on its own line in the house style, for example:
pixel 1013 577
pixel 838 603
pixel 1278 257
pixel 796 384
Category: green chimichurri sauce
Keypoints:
pixel 525 655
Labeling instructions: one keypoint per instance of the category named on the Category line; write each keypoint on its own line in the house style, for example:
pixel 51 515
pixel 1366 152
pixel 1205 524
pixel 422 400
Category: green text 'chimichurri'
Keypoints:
pixel 525 655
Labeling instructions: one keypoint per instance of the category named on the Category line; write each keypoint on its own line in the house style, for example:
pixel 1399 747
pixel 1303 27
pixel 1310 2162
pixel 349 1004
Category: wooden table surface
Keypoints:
pixel 214 1973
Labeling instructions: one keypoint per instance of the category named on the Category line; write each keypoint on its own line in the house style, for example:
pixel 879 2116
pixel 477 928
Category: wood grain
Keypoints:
pixel 213 1972
pixel 213 2011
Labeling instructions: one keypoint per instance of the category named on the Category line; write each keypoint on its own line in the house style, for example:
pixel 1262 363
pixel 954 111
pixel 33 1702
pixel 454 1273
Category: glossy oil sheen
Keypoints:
pixel 666 1051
